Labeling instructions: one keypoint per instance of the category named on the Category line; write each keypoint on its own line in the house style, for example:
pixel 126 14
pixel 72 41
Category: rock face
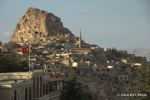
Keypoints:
pixel 38 23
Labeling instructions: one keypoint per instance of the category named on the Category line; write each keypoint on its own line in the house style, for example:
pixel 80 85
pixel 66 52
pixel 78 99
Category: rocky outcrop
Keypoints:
pixel 38 23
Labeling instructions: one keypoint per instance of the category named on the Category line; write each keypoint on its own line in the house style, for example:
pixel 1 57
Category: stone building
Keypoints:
pixel 82 50
pixel 24 85
pixel 16 90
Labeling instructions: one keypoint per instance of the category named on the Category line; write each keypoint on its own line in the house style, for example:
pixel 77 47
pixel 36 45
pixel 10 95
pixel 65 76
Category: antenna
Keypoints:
pixel 80 33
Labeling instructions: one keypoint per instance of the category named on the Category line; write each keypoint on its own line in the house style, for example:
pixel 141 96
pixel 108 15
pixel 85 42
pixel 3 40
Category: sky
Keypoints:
pixel 122 24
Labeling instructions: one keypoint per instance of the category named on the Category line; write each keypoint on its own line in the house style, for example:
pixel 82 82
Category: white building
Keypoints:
pixel 137 64
pixel 124 61
pixel 24 85
pixel 75 64
pixel 16 90
pixel 109 66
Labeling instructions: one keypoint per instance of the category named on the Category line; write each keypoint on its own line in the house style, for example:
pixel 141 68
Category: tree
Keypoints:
pixel 142 84
pixel 74 91
pixel 12 64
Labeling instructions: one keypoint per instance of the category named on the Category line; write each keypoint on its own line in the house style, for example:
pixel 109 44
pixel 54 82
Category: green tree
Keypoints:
pixel 74 91
pixel 142 84
pixel 12 64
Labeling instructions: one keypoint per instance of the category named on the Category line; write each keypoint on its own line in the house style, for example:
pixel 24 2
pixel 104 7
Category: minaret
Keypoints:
pixel 80 40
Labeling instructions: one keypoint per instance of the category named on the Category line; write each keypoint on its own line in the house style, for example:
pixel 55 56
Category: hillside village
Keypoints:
pixel 105 71
pixel 58 51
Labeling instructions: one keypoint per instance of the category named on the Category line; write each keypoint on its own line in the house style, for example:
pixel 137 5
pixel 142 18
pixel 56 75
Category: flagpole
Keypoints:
pixel 29 59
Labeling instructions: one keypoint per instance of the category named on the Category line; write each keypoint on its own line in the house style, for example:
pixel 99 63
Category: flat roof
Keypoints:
pixel 14 83
pixel 10 82
pixel 34 71
pixel 20 75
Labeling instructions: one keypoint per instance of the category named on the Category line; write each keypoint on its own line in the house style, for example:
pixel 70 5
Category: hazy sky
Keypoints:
pixel 122 24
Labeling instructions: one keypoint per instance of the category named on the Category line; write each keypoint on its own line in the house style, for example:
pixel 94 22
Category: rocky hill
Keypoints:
pixel 104 72
pixel 36 23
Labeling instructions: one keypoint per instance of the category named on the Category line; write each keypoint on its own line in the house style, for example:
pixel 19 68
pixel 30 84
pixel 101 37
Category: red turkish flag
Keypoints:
pixel 25 50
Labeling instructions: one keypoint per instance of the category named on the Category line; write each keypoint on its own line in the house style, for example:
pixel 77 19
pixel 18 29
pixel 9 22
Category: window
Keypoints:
pixel 41 83
pixel 26 93
pixel 15 95
pixel 125 77
pixel 37 87
pixel 34 87
pixel 30 93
